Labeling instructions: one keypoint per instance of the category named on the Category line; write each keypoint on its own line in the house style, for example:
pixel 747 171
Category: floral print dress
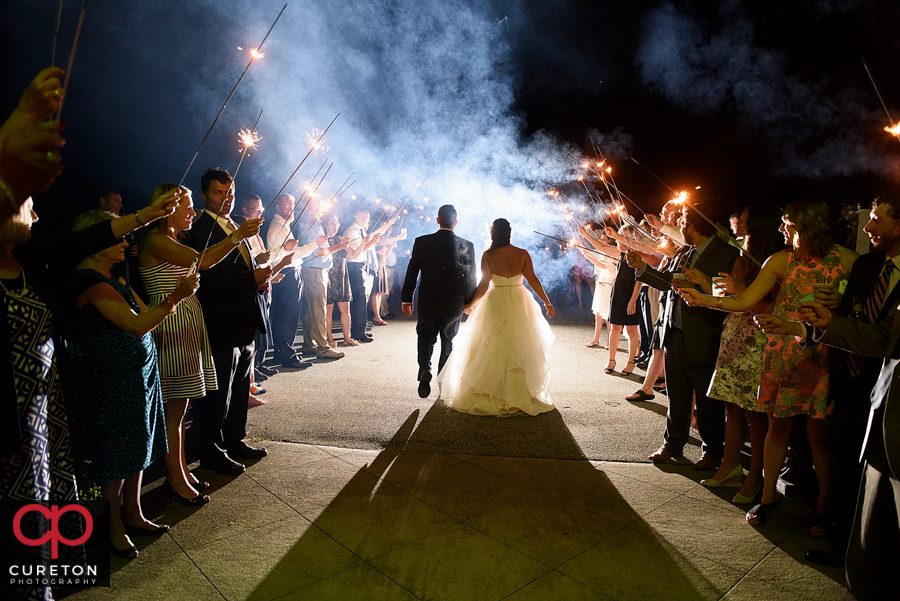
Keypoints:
pixel 795 378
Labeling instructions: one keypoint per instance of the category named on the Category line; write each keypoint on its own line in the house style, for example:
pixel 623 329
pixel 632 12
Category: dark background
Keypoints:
pixel 760 102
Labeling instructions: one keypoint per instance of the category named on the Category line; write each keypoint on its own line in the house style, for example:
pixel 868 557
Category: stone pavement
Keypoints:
pixel 315 522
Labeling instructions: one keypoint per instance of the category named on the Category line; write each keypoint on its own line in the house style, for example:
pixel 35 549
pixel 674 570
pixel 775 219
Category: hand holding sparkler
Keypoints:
pixel 42 97
pixel 248 229
pixel 290 244
pixel 261 276
pixel 771 324
pixel 186 287
pixel 815 314
pixel 634 259
pixel 697 277
pixel 827 295
pixel 163 206
pixel 29 161
pixel 263 258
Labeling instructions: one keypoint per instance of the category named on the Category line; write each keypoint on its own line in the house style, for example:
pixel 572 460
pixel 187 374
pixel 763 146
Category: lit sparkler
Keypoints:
pixel 71 56
pixel 300 165
pixel 894 131
pixel 230 94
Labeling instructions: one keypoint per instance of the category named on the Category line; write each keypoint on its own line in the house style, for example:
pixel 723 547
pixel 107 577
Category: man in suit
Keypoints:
pixel 691 340
pixel 446 263
pixel 871 562
pixel 232 304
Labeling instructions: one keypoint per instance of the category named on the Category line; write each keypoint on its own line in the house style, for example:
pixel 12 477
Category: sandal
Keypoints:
pixel 379 323
pixel 640 395
pixel 610 367
pixel 628 373
pixel 593 345
pixel 761 512
pixel 821 525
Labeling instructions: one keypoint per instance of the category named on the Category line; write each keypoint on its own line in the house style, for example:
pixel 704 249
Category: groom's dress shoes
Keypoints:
pixel 424 384
pixel 222 464
pixel 244 451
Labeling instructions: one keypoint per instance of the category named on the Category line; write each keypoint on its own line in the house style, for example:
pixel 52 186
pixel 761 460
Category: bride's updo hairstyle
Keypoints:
pixel 500 234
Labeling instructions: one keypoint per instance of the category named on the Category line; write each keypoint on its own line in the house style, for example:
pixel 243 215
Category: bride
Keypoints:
pixel 498 365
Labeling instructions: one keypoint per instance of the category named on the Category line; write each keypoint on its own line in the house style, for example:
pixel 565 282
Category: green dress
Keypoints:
pixel 121 388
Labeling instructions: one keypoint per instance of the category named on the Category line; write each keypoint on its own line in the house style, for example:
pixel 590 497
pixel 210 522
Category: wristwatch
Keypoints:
pixel 234 239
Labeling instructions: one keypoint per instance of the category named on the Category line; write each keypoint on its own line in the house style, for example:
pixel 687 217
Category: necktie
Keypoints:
pixel 871 311
pixel 232 227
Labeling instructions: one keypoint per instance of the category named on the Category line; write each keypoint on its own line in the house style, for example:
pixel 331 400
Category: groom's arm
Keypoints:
pixel 412 276
pixel 471 274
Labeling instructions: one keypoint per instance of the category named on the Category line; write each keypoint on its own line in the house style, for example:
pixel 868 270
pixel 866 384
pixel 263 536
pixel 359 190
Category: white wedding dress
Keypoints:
pixel 499 361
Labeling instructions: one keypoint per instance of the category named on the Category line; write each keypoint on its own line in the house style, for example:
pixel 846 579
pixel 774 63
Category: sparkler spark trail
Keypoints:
pixel 251 136
pixel 71 58
pixel 329 204
pixel 317 144
pixel 895 130
pixel 253 57
pixel 248 138
pixel 300 165
pixel 569 243
pixel 669 188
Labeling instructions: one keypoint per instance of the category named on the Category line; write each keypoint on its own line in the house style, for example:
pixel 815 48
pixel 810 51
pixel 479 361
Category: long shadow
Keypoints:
pixel 411 524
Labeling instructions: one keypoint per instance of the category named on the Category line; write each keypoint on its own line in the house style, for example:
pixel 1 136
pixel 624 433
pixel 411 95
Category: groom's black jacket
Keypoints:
pixel 447 265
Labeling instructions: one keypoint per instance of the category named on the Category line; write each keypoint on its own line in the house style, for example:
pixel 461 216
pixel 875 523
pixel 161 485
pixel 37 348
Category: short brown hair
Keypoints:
pixel 892 200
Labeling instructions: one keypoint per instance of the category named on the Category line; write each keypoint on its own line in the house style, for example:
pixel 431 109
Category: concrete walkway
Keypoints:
pixel 316 522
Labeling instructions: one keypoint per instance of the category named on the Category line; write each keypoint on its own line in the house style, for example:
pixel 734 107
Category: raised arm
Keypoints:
pixel 768 278
pixel 116 309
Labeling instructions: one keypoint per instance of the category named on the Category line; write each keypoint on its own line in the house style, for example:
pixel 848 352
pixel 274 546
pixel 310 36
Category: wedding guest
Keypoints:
pixel 185 357
pixel 795 379
pixel 623 311
pixel 315 282
pixel 231 299
pixel 739 364
pixel 358 270
pixel 604 276
pixel 690 337
pixel 120 382
pixel 338 286
pixel 30 160
pixel 110 200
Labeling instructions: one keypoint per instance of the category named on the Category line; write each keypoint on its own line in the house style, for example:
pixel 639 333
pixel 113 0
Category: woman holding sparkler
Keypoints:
pixel 739 364
pixel 120 383
pixel 499 361
pixel 604 276
pixel 794 378
pixel 623 310
pixel 185 359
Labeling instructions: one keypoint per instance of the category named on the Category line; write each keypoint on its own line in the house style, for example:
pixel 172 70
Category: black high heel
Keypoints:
pixel 762 512
pixel 200 486
pixel 174 496
pixel 610 367
pixel 628 373
pixel 129 553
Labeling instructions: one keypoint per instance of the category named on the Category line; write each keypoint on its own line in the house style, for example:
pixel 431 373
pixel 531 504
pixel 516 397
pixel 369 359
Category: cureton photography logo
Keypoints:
pixel 48 547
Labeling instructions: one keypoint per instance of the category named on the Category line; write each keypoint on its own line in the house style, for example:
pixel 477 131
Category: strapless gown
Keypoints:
pixel 499 361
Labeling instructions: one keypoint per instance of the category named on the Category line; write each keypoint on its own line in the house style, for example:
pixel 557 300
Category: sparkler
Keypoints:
pixel 312 195
pixel 353 197
pixel 328 204
pixel 307 188
pixel 248 139
pixel 568 243
pixel 71 56
pixel 254 55
pixel 894 130
pixel 56 32
pixel 313 147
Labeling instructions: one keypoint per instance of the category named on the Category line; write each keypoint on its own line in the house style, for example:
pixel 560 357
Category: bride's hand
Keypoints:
pixel 468 309
pixel 550 310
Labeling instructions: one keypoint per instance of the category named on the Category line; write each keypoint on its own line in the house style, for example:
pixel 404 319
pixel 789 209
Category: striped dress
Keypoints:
pixel 185 361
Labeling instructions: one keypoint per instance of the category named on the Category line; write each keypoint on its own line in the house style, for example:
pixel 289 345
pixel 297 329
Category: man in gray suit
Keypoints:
pixel 691 340
pixel 875 540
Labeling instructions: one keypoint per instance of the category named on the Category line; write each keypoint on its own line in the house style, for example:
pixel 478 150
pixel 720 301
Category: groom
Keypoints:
pixel 448 282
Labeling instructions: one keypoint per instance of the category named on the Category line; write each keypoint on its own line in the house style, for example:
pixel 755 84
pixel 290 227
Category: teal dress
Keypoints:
pixel 121 389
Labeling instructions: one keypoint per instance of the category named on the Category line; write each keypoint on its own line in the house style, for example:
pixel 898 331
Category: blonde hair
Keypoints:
pixel 163 224
pixel 9 229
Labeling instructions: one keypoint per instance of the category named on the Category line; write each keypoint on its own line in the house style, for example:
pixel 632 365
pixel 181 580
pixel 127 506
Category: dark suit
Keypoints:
pixel 875 541
pixel 692 349
pixel 233 311
pixel 446 264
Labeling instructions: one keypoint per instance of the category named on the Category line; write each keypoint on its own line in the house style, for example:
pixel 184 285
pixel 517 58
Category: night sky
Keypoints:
pixel 477 102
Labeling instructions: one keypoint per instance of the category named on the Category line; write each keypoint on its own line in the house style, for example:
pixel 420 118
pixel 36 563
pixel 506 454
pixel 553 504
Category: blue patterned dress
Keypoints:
pixel 121 383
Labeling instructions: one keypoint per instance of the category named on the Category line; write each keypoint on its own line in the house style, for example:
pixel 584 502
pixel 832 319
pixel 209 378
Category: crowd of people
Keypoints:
pixel 741 332
pixel 744 344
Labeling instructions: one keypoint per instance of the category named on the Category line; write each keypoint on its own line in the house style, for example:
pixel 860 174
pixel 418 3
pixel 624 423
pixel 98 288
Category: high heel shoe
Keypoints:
pixel 200 486
pixel 610 367
pixel 129 553
pixel 138 531
pixel 626 372
pixel 742 500
pixel 174 496
pixel 732 479
pixel 761 512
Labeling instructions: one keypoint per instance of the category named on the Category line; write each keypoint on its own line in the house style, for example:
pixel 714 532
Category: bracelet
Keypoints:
pixel 719 304
pixel 138 219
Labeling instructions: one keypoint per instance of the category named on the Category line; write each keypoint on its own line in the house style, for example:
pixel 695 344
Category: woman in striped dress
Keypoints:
pixel 185 361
